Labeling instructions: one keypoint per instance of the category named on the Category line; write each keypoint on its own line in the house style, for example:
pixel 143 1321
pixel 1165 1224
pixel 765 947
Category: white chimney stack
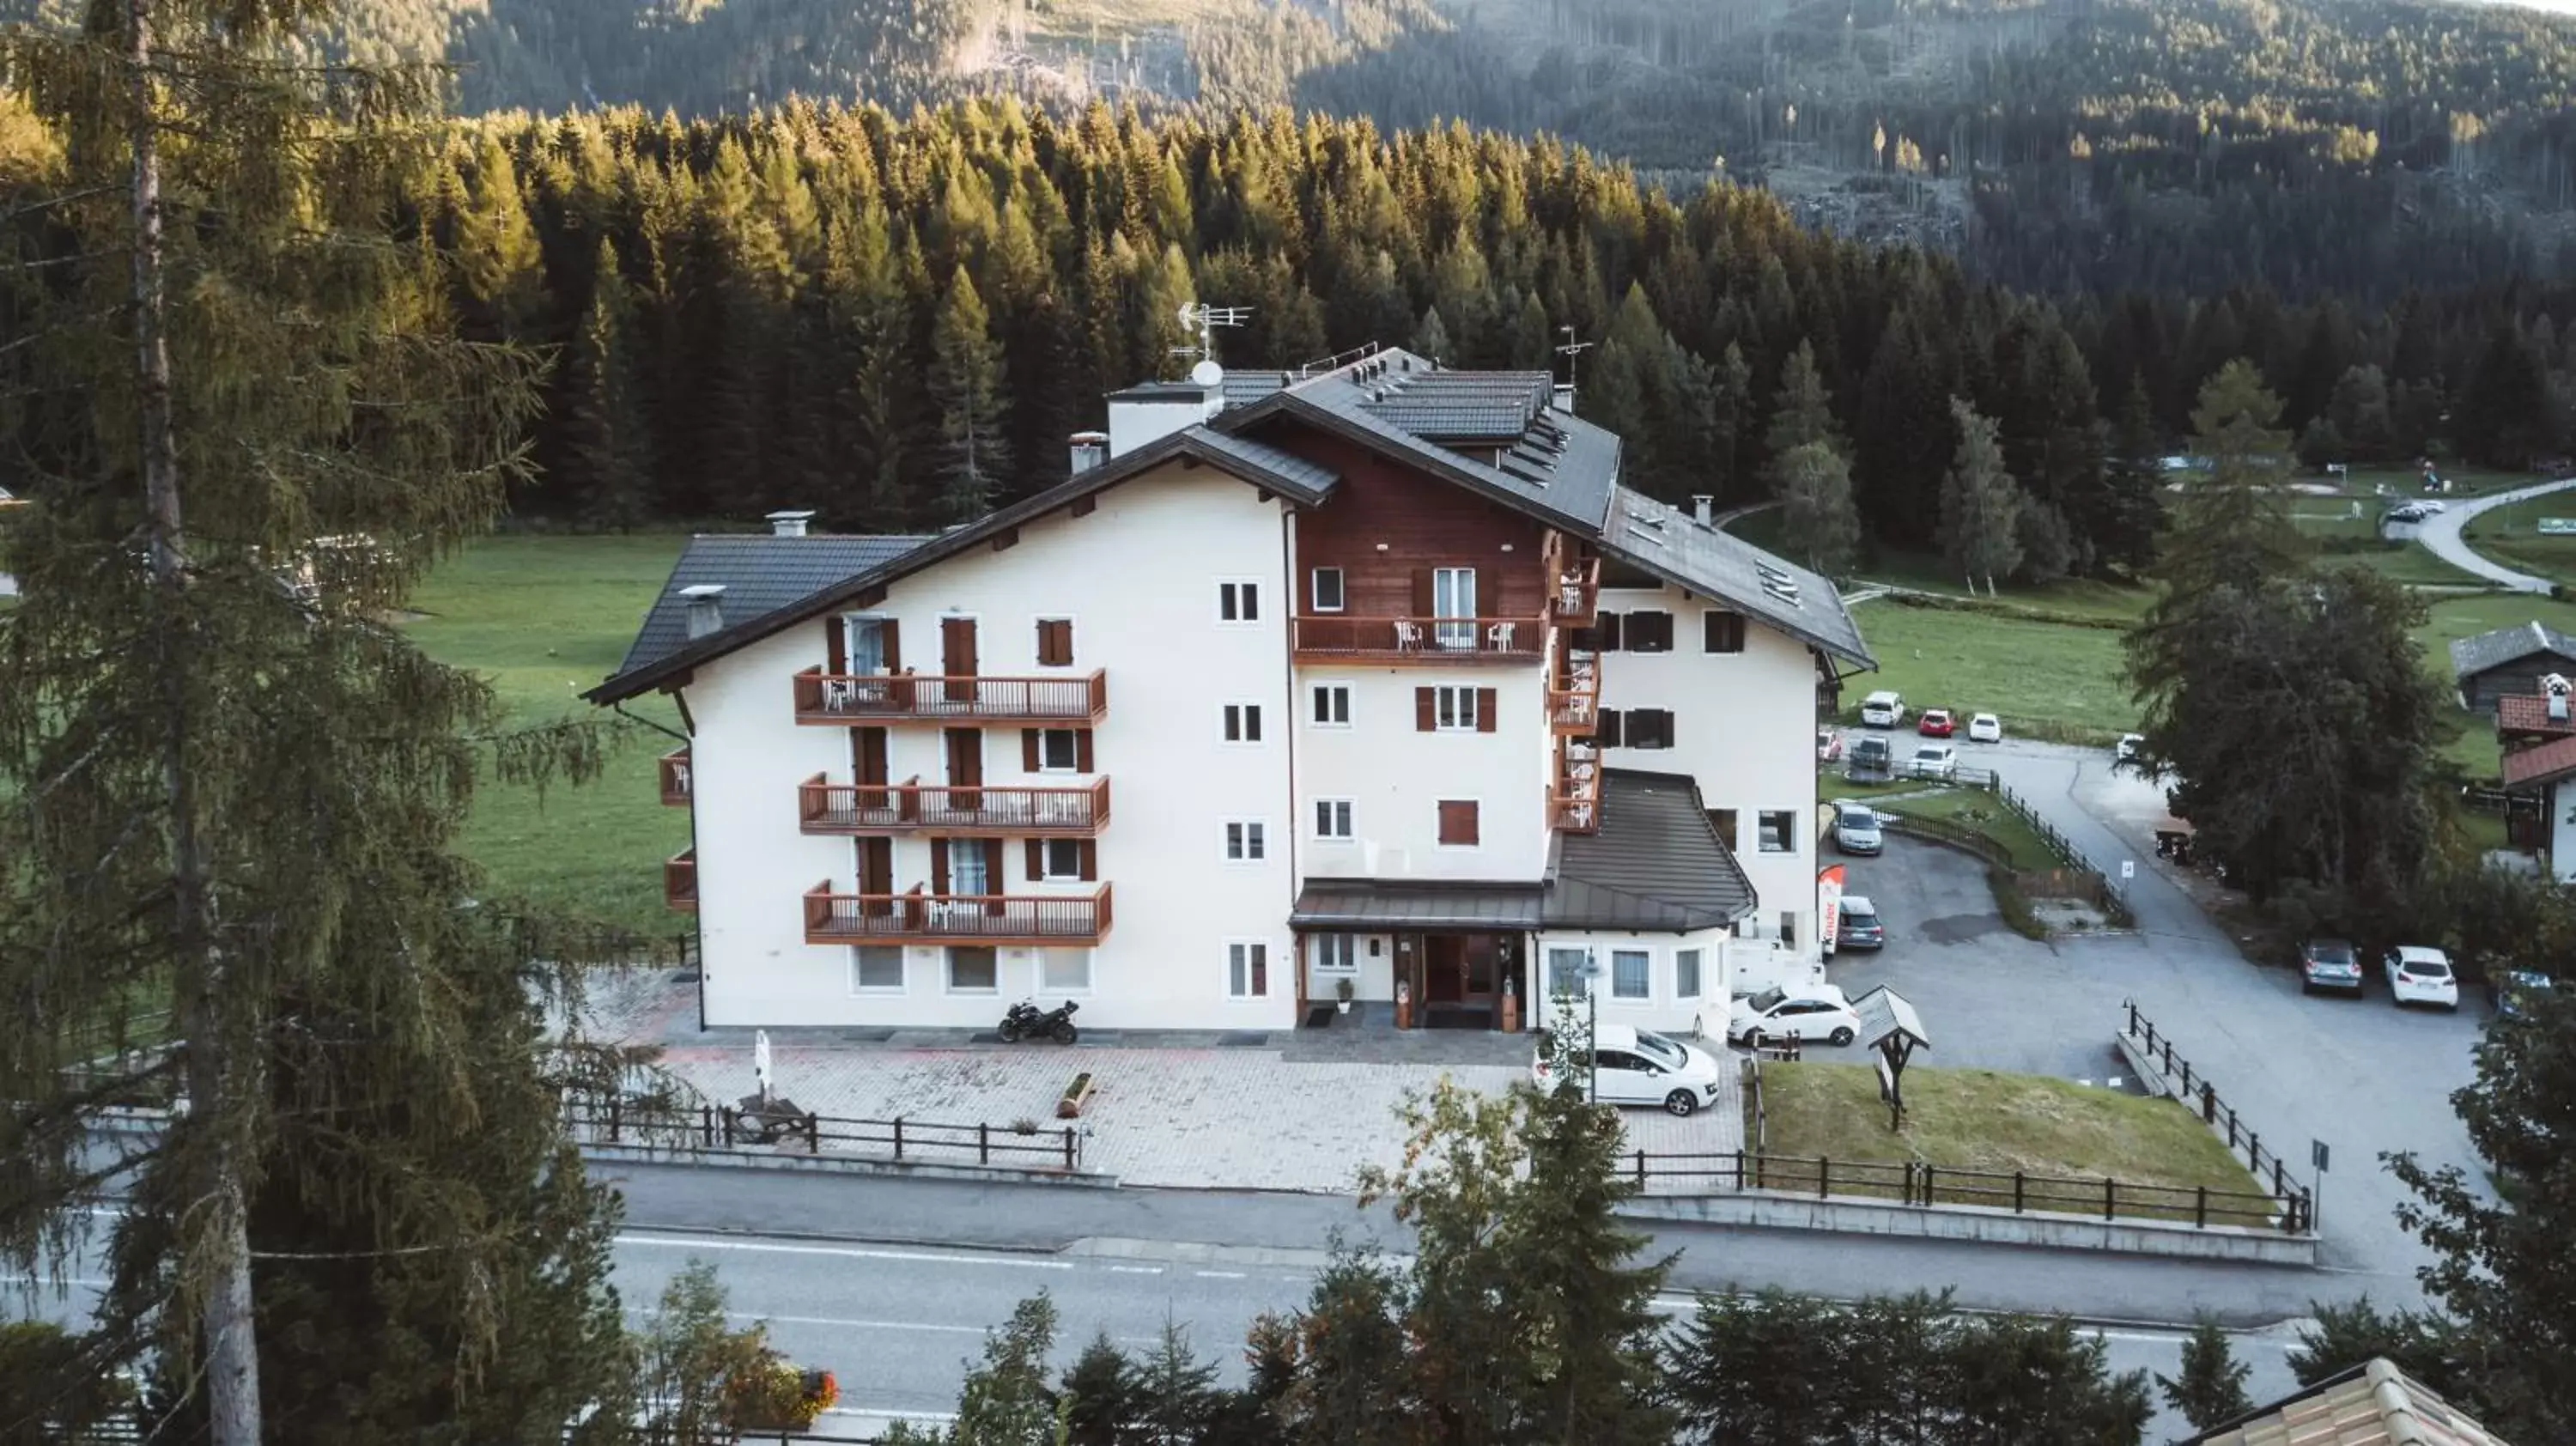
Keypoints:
pixel 1561 397
pixel 2556 686
pixel 1702 505
pixel 1090 449
pixel 787 524
pixel 706 604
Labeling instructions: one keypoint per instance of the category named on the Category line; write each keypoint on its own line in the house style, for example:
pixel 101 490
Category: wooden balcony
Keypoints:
pixel 1574 694
pixel 1574 799
pixel 1573 815
pixel 839 698
pixel 1578 592
pixel 680 881
pixel 675 777
pixel 911 806
pixel 1328 637
pixel 1024 920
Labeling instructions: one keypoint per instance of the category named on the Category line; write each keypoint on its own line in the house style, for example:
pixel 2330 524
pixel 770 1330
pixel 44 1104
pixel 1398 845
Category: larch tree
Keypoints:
pixel 967 387
pixel 1980 505
pixel 1820 524
pixel 230 790
pixel 502 265
pixel 1801 412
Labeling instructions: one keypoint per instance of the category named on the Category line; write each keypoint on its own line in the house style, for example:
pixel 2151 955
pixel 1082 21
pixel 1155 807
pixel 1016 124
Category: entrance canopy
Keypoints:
pixel 1382 906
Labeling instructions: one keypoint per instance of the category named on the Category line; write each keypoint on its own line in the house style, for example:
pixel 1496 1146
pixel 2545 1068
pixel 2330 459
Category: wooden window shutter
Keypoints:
pixel 1605 630
pixel 1485 709
pixel 1082 750
pixel 939 866
pixel 1458 822
pixel 1605 727
pixel 993 874
pixel 1422 603
pixel 836 647
pixel 1037 860
pixel 1090 851
pixel 1426 713
pixel 1028 750
pixel 893 652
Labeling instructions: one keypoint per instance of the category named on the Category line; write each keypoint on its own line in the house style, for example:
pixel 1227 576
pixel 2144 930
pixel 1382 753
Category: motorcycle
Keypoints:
pixel 1025 1020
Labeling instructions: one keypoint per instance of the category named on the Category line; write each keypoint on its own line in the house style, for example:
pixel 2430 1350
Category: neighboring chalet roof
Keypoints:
pixel 1261 466
pixel 2504 645
pixel 1656 862
pixel 1494 408
pixel 2373 1404
pixel 1385 905
pixel 760 573
pixel 1717 564
pixel 2547 763
pixel 2529 713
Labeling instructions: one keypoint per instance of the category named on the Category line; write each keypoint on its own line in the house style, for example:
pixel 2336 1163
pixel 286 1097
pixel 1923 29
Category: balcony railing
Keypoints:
pixel 1574 815
pixel 675 776
pixel 830 698
pixel 1421 640
pixel 868 808
pixel 1034 920
pixel 1574 693
pixel 1578 592
pixel 680 880
pixel 1574 801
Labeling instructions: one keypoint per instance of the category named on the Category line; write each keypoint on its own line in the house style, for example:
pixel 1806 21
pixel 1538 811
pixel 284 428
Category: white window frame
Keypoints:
pixel 1453 708
pixel 1240 596
pixel 1239 724
pixel 1090 971
pixel 1789 831
pixel 1647 997
pixel 1247 994
pixel 1066 618
pixel 948 971
pixel 1325 808
pixel 1315 590
pixel 1254 842
pixel 1329 694
pixel 960 851
pixel 1327 946
pixel 1072 750
pixel 1465 848
pixel 849 656
pixel 1046 861
pixel 902 964
pixel 1453 607
pixel 1547 977
pixel 1699 973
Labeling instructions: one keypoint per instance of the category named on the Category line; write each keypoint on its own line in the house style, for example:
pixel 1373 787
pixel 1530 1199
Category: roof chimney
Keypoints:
pixel 706 601
pixel 1701 503
pixel 787 524
pixel 1561 397
pixel 1090 449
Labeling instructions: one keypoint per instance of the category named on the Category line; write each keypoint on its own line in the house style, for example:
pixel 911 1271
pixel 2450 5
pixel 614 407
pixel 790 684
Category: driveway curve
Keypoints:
pixel 2440 534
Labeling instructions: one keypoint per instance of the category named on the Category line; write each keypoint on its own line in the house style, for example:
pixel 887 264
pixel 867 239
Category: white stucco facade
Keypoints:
pixel 2562 831
pixel 1395 776
pixel 1744 726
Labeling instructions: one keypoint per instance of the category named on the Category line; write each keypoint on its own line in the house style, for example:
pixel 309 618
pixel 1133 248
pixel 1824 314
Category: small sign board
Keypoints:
pixel 2558 527
pixel 1886 1081
pixel 2128 869
pixel 1883 1012
pixel 2317 1155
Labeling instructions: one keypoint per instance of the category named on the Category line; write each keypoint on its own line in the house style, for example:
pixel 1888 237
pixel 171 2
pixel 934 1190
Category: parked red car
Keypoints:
pixel 1829 745
pixel 1936 723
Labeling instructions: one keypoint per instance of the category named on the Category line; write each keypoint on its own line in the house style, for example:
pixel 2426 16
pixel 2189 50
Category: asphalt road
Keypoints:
pixel 2440 534
pixel 2360 1075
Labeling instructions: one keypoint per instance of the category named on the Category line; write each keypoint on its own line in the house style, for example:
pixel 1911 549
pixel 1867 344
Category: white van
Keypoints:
pixel 1882 709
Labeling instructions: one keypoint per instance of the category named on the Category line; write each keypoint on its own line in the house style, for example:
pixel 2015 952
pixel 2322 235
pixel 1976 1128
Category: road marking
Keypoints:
pixel 857 1325
pixel 1220 1275
pixel 849 1252
pixel 1135 1270
pixel 888 1413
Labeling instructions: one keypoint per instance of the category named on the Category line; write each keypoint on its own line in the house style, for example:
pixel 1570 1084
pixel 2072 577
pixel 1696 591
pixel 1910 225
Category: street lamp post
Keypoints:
pixel 1589 974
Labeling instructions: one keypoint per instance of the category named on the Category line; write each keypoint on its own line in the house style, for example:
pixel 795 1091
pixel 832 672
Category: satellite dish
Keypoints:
pixel 1207 374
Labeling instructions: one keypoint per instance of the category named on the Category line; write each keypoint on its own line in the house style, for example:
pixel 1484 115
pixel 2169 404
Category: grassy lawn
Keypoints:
pixel 1975 1119
pixel 2510 534
pixel 540 619
pixel 1976 809
pixel 2044 679
pixel 2342 538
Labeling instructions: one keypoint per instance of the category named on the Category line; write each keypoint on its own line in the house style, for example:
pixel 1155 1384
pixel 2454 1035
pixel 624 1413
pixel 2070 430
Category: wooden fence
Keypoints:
pixel 2197 1093
pixel 1917 1183
pixel 717 1129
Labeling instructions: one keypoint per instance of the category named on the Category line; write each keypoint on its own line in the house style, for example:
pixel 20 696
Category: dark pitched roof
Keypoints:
pixel 2529 713
pixel 760 574
pixel 2504 645
pixel 1656 862
pixel 1374 904
pixel 1302 483
pixel 1494 408
pixel 1160 391
pixel 1242 389
pixel 1716 564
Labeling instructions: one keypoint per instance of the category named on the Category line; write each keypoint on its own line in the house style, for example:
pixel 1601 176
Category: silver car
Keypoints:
pixel 1856 827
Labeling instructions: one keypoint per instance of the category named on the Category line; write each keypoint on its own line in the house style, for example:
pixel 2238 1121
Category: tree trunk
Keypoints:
pixel 222 1267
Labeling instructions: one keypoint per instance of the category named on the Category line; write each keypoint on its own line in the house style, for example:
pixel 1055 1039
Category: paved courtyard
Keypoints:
pixel 1301 1110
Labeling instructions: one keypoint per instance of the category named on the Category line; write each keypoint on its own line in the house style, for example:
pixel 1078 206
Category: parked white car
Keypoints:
pixel 1985 728
pixel 1811 1012
pixel 1856 827
pixel 1882 709
pixel 2418 974
pixel 1934 760
pixel 2130 744
pixel 1632 1066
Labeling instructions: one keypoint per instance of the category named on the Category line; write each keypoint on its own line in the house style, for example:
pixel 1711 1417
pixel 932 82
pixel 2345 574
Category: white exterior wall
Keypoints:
pixel 2562 832
pixel 1395 777
pixel 1664 1010
pixel 1133 424
pixel 1744 726
pixel 1138 576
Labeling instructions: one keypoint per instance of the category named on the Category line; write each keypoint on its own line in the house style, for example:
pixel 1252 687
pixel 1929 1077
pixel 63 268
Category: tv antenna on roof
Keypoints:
pixel 1204 320
pixel 1570 349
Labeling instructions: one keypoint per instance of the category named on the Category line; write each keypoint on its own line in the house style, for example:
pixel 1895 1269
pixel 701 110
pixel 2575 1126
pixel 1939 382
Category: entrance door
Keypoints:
pixel 965 770
pixel 957 657
pixel 1444 969
pixel 876 875
pixel 1483 970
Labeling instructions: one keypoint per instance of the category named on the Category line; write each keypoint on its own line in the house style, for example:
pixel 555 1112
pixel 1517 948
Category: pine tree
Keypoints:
pixel 232 796
pixel 1431 338
pixel 1802 412
pixel 966 385
pixel 2211 1387
pixel 1980 505
pixel 1731 407
pixel 610 440
pixel 2124 530
pixel 1820 526
pixel 1350 1385
pixel 1100 1393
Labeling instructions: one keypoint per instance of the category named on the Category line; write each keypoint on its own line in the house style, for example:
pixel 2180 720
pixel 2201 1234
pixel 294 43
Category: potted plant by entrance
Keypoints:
pixel 1342 992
